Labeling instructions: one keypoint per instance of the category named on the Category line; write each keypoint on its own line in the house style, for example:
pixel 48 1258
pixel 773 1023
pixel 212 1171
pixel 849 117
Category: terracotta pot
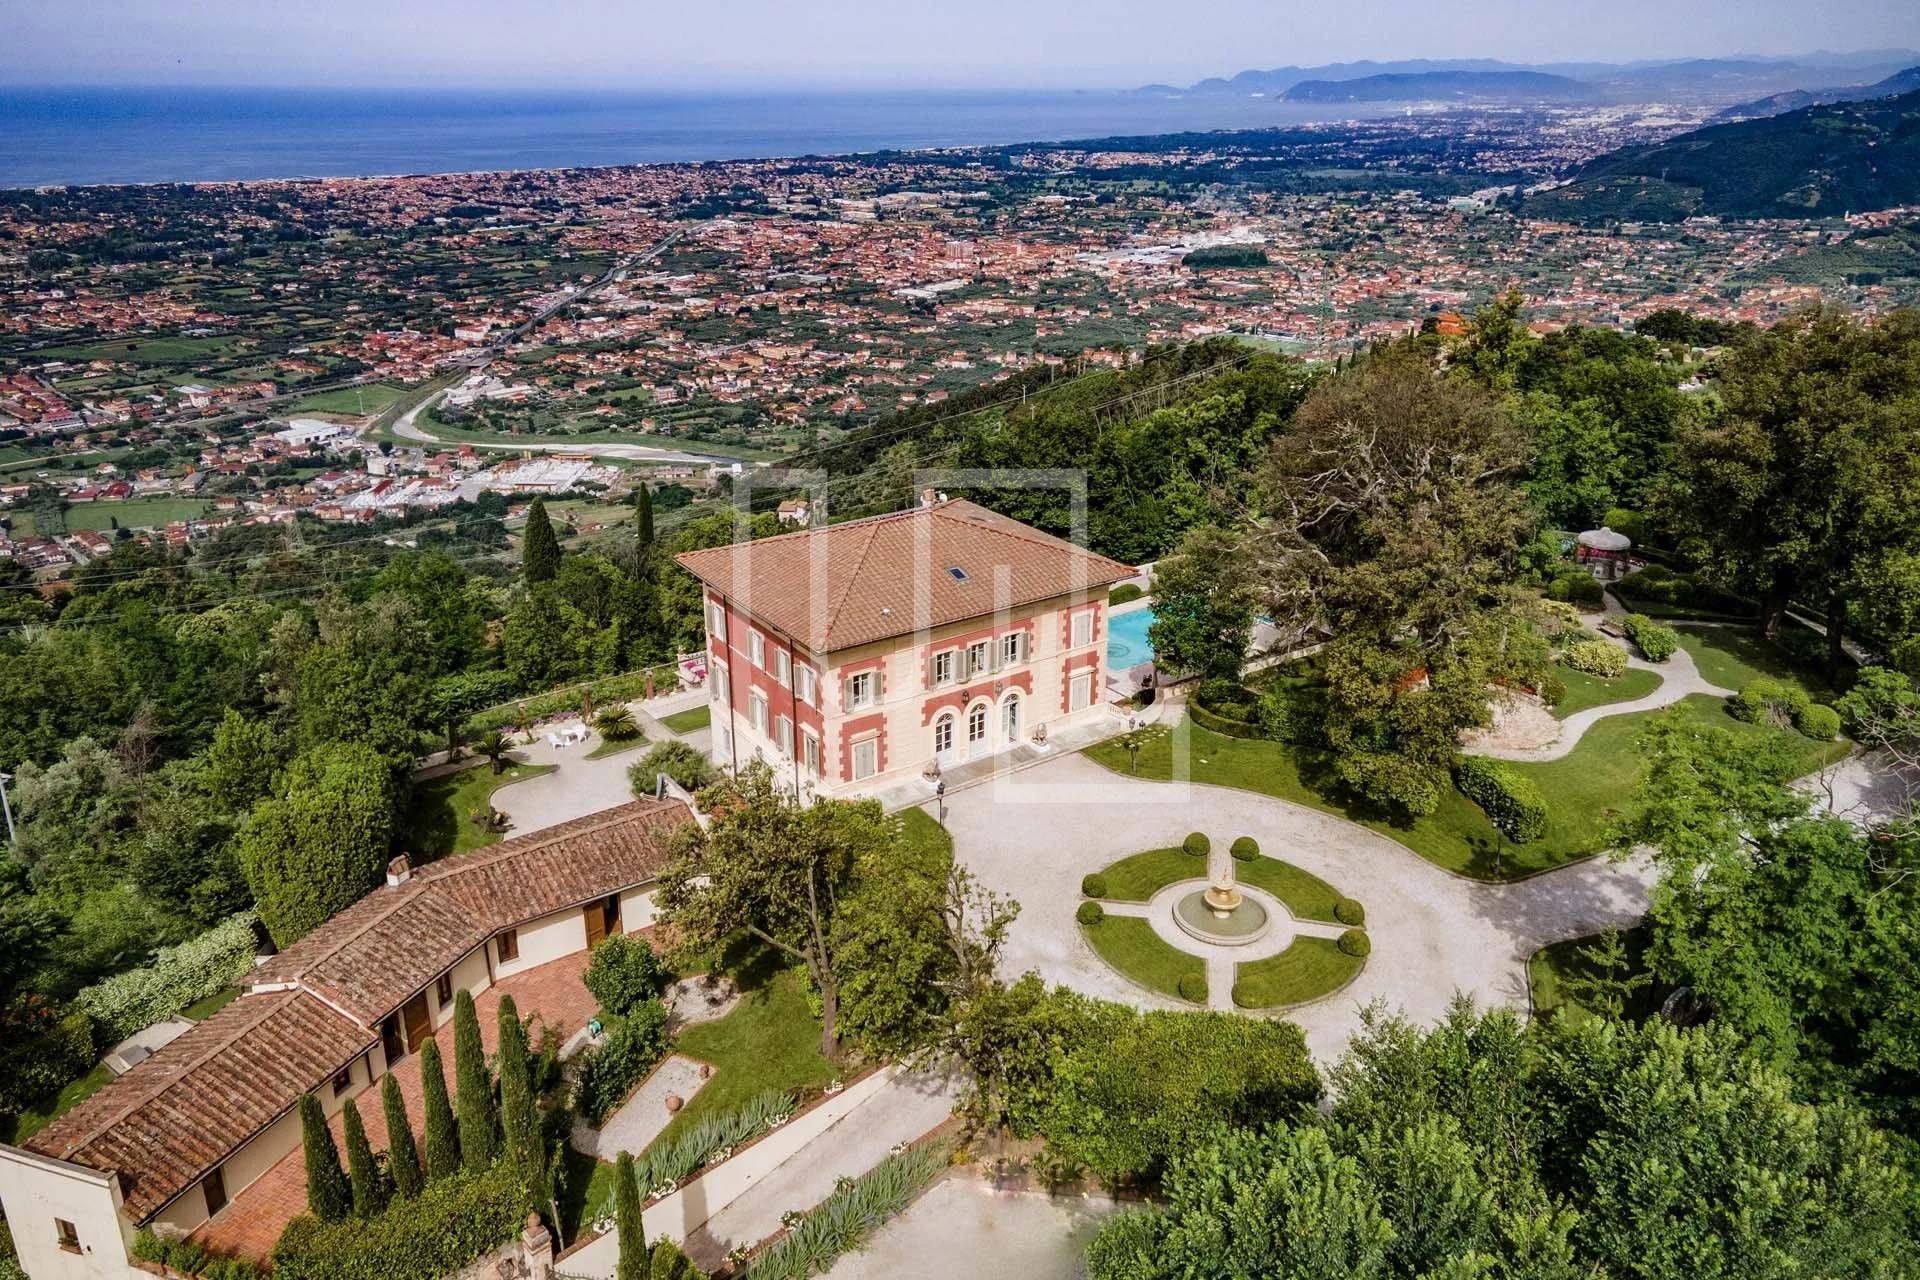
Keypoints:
pixel 674 1102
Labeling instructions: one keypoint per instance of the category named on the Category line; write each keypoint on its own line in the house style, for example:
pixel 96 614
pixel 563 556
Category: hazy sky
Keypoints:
pixel 645 44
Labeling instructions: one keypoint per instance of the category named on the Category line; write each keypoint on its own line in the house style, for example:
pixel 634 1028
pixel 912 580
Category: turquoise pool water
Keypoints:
pixel 1127 643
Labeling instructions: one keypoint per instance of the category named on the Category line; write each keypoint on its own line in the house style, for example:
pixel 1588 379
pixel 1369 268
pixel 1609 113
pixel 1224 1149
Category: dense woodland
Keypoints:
pixel 235 729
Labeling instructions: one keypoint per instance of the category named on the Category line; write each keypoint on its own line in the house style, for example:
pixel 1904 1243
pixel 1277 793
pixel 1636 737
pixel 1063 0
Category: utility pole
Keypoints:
pixel 6 808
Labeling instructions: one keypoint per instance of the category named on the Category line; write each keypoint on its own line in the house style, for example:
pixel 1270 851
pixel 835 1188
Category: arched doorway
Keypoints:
pixel 977 730
pixel 1010 719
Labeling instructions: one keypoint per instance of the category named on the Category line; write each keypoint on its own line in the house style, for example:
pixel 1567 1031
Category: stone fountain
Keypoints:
pixel 1220 913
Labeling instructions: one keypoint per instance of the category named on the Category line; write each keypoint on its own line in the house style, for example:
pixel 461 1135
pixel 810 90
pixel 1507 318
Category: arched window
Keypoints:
pixel 1010 717
pixel 977 723
pixel 943 735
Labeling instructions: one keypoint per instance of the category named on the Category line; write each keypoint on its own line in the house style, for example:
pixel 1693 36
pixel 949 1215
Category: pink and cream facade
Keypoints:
pixel 857 654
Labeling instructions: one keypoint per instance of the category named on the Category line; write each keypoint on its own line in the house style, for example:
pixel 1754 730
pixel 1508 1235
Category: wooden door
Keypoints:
pixel 214 1185
pixel 596 917
pixel 417 1021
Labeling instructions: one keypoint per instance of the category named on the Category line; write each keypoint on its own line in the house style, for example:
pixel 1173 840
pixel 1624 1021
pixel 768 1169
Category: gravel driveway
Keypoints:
pixel 1034 834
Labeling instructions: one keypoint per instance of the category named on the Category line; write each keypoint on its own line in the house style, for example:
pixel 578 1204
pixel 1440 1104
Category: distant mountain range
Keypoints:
pixel 1775 104
pixel 1429 86
pixel 1723 80
pixel 1819 161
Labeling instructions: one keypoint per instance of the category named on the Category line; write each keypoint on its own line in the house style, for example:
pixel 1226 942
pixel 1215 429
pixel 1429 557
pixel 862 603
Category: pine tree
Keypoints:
pixel 539 549
pixel 443 1135
pixel 363 1175
pixel 643 523
pixel 472 1089
pixel 633 1263
pixel 403 1158
pixel 519 1120
pixel 328 1196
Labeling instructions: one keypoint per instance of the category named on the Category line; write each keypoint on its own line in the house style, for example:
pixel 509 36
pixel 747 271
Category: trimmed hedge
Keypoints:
pixel 1093 885
pixel 1197 844
pixel 1511 802
pixel 607 1073
pixel 1125 593
pixel 1192 987
pixel 180 975
pixel 1656 641
pixel 1766 700
pixel 621 688
pixel 1217 723
pixel 1090 913
pixel 1244 849
pixel 1576 586
pixel 1348 911
pixel 1354 942
pixel 1597 658
pixel 188 1258
pixel 1819 722
pixel 449 1224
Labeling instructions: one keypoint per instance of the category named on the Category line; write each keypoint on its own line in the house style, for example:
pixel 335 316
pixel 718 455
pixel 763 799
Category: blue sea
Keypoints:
pixel 73 136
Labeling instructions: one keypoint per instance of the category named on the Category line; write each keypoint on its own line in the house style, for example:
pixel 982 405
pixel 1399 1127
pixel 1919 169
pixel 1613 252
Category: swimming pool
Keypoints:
pixel 1127 643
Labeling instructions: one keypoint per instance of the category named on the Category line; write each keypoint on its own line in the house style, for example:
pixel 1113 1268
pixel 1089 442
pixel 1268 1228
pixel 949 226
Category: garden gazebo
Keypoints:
pixel 1603 552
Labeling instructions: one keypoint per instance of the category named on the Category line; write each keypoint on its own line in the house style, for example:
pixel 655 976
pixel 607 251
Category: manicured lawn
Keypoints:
pixel 1306 970
pixel 201 1010
pixel 1585 790
pixel 1731 656
pixel 1585 691
pixel 607 748
pixel 1552 965
pixel 437 817
pixel 1129 944
pixel 135 513
pixel 691 720
pixel 1139 877
pixel 770 1041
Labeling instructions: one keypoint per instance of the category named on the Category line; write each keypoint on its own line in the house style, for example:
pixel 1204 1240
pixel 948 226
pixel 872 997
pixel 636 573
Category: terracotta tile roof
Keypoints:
pixel 162 1125
pixel 370 958
pixel 892 575
pixel 313 1008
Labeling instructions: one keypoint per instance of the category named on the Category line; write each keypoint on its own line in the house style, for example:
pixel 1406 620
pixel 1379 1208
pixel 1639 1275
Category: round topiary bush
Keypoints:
pixel 1197 844
pixel 1192 987
pixel 1348 911
pixel 1093 885
pixel 1818 721
pixel 1355 943
pixel 1245 849
pixel 1090 913
pixel 1246 995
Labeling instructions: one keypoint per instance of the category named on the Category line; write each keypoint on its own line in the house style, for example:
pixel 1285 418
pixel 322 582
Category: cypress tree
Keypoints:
pixel 643 522
pixel 519 1120
pixel 443 1140
pixel 328 1196
pixel 403 1158
pixel 633 1263
pixel 539 549
pixel 472 1089
pixel 363 1175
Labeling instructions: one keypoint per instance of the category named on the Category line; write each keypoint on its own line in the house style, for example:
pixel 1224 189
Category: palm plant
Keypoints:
pixel 616 724
pixel 495 747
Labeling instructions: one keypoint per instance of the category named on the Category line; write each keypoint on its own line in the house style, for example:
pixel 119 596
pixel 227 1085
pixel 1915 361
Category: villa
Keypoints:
pixel 178 1141
pixel 854 655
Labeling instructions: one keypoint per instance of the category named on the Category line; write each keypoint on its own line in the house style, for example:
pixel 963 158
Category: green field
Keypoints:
pixel 1731 656
pixel 371 398
pixel 158 351
pixel 1586 790
pixel 1585 691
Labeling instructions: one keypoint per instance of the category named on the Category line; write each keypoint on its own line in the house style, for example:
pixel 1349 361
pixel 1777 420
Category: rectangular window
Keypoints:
pixel 757 648
pixel 757 711
pixel 943 666
pixel 1083 628
pixel 1080 691
pixel 808 689
pixel 783 736
pixel 717 621
pixel 782 668
pixel 866 757
pixel 507 945
pixel 343 1081
pixel 1013 648
pixel 863 689
pixel 976 657
pixel 811 746
pixel 67 1235
pixel 443 988
pixel 722 687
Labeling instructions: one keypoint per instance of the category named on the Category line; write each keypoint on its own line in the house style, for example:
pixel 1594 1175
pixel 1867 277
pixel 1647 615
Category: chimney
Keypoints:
pixel 928 497
pixel 399 871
